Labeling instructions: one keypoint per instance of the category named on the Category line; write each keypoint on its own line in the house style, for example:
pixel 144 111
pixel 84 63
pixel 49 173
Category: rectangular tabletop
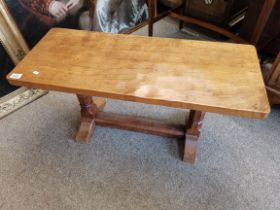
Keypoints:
pixel 206 76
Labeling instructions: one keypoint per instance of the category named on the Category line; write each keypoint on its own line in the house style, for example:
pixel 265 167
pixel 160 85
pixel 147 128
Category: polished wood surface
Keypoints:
pixel 201 76
pixel 207 76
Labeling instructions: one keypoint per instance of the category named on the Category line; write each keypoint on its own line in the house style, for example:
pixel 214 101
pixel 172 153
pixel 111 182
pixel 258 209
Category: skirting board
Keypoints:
pixel 17 99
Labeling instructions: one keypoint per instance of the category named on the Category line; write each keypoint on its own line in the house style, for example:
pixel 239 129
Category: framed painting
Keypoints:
pixel 36 17
pixel 12 49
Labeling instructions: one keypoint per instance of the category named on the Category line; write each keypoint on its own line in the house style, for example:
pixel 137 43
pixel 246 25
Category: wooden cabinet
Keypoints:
pixel 261 26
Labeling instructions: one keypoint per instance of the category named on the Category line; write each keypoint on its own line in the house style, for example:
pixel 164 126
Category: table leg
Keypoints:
pixel 151 6
pixel 182 10
pixel 192 134
pixel 89 109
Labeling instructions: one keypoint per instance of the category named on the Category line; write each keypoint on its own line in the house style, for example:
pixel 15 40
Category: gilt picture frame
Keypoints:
pixel 16 48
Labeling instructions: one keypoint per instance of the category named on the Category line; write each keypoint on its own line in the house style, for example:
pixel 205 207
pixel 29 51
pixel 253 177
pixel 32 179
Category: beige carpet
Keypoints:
pixel 42 168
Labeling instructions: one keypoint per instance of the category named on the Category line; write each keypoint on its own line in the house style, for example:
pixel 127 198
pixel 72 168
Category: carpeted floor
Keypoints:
pixel 42 168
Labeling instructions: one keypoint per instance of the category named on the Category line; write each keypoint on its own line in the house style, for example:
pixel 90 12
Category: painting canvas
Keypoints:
pixel 12 49
pixel 36 17
pixel 6 65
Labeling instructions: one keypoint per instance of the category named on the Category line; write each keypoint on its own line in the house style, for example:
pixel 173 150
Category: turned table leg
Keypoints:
pixel 194 124
pixel 89 109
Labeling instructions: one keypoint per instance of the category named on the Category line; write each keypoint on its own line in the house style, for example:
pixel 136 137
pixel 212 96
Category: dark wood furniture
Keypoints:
pixel 261 20
pixel 273 82
pixel 257 18
pixel 178 13
pixel 159 71
pixel 219 12
pixel 261 26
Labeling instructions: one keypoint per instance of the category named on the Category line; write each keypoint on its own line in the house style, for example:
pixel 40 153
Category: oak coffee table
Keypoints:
pixel 201 76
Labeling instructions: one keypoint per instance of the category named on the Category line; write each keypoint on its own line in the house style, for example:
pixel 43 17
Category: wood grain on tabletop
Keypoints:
pixel 199 75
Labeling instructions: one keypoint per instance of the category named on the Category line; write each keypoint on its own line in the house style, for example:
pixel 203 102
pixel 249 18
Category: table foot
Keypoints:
pixel 89 109
pixel 85 131
pixel 192 134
